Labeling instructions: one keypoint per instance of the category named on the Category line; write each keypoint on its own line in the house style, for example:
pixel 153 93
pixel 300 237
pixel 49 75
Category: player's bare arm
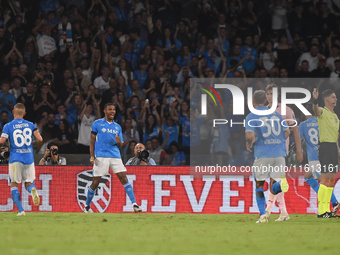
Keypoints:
pixel 93 140
pixel 38 136
pixel 2 141
pixel 118 141
pixel 287 133
pixel 250 140
pixel 297 138
pixel 317 110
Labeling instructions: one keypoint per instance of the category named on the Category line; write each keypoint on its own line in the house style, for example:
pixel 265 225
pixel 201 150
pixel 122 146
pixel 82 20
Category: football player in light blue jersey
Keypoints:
pixel 20 134
pixel 266 135
pixel 106 140
pixel 309 130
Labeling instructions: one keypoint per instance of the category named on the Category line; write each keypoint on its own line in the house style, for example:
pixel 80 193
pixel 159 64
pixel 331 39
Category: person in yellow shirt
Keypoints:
pixel 328 149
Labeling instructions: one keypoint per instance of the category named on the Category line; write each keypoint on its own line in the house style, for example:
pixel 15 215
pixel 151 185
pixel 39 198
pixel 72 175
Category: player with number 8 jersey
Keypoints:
pixel 309 130
pixel 20 133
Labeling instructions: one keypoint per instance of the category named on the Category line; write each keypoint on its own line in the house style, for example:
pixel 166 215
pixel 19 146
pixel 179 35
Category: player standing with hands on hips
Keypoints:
pixel 328 149
pixel 106 139
pixel 20 134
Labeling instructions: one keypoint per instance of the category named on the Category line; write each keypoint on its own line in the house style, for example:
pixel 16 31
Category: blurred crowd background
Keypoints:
pixel 66 59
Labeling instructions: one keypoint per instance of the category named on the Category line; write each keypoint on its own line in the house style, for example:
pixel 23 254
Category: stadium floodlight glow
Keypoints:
pixel 238 96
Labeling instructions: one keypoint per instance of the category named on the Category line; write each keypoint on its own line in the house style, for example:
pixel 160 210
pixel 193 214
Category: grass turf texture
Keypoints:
pixel 175 234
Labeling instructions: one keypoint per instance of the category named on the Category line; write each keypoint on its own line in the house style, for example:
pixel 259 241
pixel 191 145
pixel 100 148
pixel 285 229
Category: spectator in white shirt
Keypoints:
pixel 46 43
pixel 102 82
pixel 312 57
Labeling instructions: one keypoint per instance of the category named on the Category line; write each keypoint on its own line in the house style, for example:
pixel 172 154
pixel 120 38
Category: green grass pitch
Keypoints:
pixel 175 234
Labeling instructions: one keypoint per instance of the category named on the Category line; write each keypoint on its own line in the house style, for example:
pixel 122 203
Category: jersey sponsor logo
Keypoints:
pixel 102 198
pixel 110 131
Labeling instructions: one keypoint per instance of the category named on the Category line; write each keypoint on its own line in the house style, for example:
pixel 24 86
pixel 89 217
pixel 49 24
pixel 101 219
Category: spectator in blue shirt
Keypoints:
pixel 138 44
pixel 178 157
pixel 7 100
pixel 173 130
pixel 48 5
pixel 250 63
pixel 184 57
pixel 168 43
pixel 222 40
pixel 141 75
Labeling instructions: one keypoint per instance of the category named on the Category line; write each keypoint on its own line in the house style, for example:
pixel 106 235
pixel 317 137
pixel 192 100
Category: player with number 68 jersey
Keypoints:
pixel 20 134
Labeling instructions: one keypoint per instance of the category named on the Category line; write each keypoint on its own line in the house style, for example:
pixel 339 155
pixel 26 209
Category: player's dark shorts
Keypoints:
pixel 328 156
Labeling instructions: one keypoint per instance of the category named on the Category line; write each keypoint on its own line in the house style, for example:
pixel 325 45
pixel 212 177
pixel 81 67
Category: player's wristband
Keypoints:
pixel 315 101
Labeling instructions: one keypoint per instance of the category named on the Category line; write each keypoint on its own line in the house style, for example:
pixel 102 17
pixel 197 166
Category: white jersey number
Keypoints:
pixel 22 137
pixel 270 125
pixel 313 136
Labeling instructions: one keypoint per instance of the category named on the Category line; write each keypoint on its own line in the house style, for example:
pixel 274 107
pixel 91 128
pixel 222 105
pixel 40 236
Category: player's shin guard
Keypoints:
pixel 313 183
pixel 129 192
pixel 271 202
pixel 16 198
pixel 29 188
pixel 282 203
pixel 261 201
pixel 90 195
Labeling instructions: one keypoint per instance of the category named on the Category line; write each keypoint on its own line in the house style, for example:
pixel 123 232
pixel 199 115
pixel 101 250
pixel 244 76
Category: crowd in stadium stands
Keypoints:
pixel 66 59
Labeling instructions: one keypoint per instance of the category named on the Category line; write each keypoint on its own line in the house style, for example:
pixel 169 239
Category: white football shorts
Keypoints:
pixel 102 165
pixel 19 172
pixel 264 168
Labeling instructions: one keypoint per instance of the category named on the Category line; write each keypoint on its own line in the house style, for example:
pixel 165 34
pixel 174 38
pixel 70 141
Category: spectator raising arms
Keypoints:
pixel 85 121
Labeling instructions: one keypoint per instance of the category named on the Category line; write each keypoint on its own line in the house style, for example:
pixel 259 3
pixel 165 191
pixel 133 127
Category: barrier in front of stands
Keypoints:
pixel 157 189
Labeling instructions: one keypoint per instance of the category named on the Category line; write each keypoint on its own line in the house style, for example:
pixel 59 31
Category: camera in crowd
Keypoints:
pixel 143 155
pixel 54 151
pixel 4 155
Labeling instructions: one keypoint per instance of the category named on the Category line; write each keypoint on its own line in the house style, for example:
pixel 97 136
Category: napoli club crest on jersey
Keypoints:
pixel 102 198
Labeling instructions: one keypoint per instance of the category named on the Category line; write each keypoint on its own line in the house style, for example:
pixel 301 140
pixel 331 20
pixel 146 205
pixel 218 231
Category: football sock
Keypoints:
pixel 282 203
pixel 333 199
pixel 90 195
pixel 16 198
pixel 29 188
pixel 327 198
pixel 315 186
pixel 313 183
pixel 129 192
pixel 321 195
pixel 271 202
pixel 261 201
pixel 276 188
